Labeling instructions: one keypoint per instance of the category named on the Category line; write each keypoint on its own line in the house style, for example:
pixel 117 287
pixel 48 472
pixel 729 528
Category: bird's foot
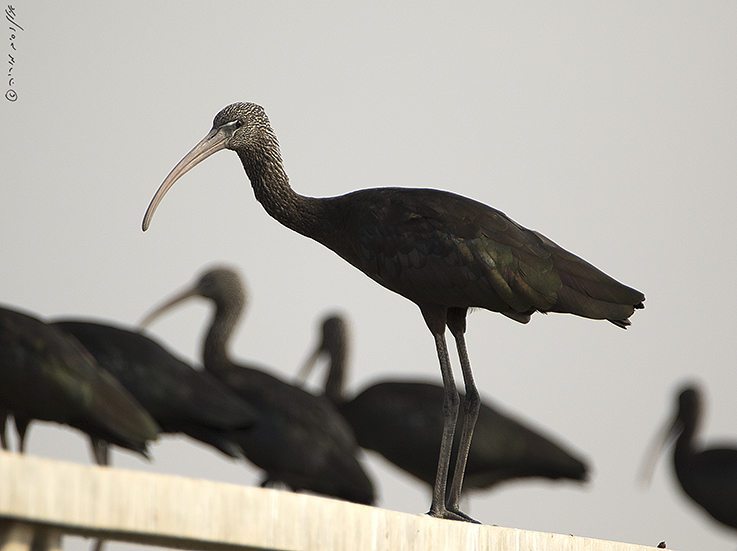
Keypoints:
pixel 463 516
pixel 451 515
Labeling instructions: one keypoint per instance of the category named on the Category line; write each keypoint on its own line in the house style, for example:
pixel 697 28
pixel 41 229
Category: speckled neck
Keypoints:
pixel 265 169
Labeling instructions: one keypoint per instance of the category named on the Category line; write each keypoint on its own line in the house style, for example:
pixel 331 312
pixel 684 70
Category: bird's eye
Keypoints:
pixel 233 125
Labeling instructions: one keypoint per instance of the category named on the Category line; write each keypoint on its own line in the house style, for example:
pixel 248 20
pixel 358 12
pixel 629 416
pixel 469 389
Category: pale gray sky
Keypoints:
pixel 609 128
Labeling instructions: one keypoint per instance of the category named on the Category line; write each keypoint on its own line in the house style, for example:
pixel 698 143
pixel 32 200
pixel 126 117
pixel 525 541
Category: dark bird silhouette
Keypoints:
pixel 444 252
pixel 708 476
pixel 403 421
pixel 299 439
pixel 177 396
pixel 47 375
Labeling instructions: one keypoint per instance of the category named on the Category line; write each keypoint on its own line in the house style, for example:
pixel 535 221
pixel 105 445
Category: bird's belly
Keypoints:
pixel 433 282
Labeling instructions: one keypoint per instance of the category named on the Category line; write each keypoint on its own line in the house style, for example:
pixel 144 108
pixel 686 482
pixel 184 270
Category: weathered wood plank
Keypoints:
pixel 175 511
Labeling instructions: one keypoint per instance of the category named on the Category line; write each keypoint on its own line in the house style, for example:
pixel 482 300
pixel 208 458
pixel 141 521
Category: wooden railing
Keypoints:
pixel 42 499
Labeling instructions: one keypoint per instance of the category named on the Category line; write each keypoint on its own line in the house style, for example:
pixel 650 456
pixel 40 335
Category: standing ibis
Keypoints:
pixel 299 439
pixel 177 396
pixel 47 375
pixel 444 252
pixel 403 421
pixel 708 476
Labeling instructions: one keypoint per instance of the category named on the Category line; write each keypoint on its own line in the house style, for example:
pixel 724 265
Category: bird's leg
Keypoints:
pixel 471 405
pixel 101 456
pixel 451 402
pixel 435 319
pixel 100 452
pixel 21 422
pixel 3 438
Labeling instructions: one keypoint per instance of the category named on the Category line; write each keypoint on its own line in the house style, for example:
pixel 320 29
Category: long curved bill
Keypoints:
pixel 664 437
pixel 215 140
pixel 176 299
pixel 308 366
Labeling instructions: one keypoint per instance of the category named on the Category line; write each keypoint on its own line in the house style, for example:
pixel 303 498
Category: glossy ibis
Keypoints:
pixel 444 252
pixel 47 375
pixel 300 439
pixel 708 476
pixel 177 396
pixel 403 421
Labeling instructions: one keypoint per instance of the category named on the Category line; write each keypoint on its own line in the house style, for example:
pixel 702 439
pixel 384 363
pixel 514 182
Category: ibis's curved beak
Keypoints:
pixel 176 299
pixel 215 140
pixel 663 438
pixel 308 366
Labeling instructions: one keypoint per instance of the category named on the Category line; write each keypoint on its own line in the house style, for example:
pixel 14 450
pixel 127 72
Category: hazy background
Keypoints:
pixel 609 128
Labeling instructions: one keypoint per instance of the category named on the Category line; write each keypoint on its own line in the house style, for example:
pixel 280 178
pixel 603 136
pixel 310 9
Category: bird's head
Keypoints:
pixel 686 418
pixel 222 284
pixel 334 344
pixel 689 407
pixel 333 333
pixel 241 127
pixel 688 401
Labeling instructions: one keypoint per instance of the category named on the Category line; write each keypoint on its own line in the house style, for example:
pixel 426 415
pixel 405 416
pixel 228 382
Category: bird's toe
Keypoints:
pixel 451 515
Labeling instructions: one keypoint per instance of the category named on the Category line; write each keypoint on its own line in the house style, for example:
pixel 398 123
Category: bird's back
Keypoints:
pixel 180 398
pixel 404 422
pixel 48 375
pixel 300 439
pixel 436 247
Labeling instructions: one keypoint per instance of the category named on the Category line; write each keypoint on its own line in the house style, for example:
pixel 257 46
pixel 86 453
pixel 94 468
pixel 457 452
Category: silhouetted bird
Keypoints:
pixel 708 476
pixel 179 398
pixel 403 421
pixel 47 375
pixel 444 252
pixel 300 439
